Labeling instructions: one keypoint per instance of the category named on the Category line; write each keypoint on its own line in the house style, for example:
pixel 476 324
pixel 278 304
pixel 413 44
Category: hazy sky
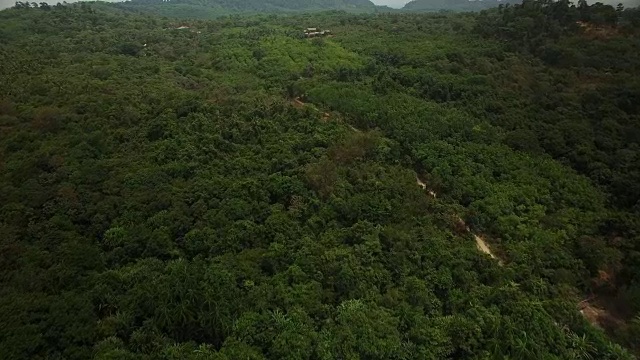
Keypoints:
pixel 391 3
pixel 6 3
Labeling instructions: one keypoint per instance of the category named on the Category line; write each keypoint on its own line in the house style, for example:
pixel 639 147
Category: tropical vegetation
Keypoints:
pixel 230 189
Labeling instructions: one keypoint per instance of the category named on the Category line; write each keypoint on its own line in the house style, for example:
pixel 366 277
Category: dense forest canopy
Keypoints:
pixel 238 6
pixel 477 5
pixel 456 5
pixel 411 186
pixel 205 9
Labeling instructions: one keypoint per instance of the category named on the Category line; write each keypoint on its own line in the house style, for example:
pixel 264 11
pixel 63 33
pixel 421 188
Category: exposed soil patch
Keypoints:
pixel 423 185
pixel 599 315
pixel 297 103
pixel 462 226
pixel 484 247
pixel 593 31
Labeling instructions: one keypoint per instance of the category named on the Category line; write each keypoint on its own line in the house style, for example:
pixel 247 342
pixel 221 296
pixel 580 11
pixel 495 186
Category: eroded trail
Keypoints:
pixel 480 243
pixel 593 314
pixel 298 103
pixel 423 185
pixel 484 247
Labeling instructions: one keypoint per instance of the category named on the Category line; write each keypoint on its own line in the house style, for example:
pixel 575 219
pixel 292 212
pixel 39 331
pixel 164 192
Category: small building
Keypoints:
pixel 315 32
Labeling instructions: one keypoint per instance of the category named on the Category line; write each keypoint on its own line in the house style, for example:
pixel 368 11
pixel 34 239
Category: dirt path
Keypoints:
pixel 484 247
pixel 297 103
pixel 423 185
pixel 354 129
pixel 480 243
pixel 595 315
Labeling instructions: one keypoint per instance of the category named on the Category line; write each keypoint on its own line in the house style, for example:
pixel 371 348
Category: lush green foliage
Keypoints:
pixel 163 196
pixel 206 9
pixel 455 5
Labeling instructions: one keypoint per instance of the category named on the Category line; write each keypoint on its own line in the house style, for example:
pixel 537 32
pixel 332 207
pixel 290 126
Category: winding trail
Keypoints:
pixel 592 313
pixel 325 115
pixel 480 243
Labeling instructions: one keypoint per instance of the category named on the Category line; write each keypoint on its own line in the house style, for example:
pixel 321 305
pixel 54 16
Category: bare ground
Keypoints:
pixel 480 243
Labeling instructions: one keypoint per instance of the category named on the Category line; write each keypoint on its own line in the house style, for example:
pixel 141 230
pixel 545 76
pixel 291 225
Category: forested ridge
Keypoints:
pixel 477 5
pixel 207 9
pixel 454 5
pixel 228 189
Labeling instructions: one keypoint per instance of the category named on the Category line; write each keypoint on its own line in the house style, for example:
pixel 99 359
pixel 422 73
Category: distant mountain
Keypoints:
pixel 455 5
pixel 5 4
pixel 212 7
pixel 477 5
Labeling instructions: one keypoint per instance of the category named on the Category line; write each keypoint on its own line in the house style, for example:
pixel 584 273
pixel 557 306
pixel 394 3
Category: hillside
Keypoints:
pixel 477 5
pixel 454 5
pixel 413 186
pixel 210 8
